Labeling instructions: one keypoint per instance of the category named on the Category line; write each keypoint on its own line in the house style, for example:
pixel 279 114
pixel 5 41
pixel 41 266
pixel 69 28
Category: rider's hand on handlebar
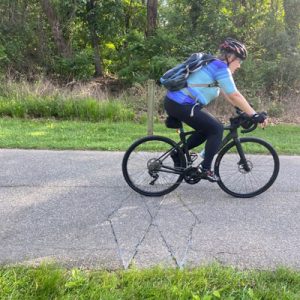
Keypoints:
pixel 261 118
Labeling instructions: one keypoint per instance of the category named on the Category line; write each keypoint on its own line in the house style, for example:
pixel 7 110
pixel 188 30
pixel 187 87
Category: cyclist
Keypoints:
pixel 187 104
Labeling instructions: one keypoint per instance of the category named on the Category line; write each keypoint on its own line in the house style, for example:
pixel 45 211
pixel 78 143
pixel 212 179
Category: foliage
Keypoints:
pixel 79 66
pixel 115 31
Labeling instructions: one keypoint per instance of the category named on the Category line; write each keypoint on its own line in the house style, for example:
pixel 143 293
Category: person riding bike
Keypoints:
pixel 187 104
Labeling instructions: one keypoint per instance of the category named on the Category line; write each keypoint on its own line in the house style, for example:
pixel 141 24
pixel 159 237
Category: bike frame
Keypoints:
pixel 232 135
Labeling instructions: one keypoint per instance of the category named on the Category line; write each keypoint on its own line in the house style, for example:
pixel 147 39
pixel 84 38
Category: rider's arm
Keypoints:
pixel 229 90
pixel 237 99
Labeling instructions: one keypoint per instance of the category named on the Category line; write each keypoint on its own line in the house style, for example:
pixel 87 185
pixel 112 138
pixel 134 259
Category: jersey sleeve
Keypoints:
pixel 224 77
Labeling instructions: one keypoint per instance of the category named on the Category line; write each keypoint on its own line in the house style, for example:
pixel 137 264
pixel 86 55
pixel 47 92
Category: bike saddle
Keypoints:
pixel 172 122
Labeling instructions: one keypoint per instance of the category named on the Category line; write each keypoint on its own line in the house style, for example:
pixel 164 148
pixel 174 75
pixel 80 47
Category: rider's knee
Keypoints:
pixel 219 128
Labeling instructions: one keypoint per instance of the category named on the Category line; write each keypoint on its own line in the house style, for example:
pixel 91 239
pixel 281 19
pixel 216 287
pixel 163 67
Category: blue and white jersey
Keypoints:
pixel 216 71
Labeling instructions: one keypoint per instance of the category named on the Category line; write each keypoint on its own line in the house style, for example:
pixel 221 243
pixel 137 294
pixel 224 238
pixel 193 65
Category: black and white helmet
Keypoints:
pixel 233 46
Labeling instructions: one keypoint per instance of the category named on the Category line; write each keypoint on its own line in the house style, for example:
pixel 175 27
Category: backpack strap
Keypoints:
pixel 188 93
pixel 214 84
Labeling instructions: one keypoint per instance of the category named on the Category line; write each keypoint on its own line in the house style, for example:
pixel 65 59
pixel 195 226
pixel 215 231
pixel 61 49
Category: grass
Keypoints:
pixel 113 136
pixel 87 109
pixel 207 283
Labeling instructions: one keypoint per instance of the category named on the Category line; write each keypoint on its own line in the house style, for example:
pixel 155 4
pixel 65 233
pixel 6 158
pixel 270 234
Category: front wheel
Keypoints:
pixel 148 166
pixel 252 176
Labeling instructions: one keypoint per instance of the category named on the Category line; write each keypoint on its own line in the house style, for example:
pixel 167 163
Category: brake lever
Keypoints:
pixel 238 111
pixel 253 127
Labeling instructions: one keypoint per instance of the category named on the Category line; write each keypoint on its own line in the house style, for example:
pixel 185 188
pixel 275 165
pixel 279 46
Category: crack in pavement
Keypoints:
pixel 179 264
pixel 190 239
pixel 219 259
pixel 152 218
pixel 168 247
pixel 127 264
pixel 109 219
pixel 189 243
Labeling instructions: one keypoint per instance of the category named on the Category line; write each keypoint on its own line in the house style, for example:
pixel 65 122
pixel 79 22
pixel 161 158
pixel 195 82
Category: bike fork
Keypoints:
pixel 243 161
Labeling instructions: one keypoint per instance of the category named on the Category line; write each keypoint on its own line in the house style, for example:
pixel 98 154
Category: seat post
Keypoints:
pixel 185 149
pixel 182 135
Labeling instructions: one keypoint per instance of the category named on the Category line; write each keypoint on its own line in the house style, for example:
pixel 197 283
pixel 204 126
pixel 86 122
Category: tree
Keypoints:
pixel 292 20
pixel 62 45
pixel 151 17
pixel 92 24
pixel 195 12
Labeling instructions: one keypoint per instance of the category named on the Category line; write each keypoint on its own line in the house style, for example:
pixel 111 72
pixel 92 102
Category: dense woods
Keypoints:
pixel 135 40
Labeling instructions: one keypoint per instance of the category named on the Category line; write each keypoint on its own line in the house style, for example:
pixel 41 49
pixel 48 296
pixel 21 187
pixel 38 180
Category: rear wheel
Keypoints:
pixel 149 168
pixel 253 178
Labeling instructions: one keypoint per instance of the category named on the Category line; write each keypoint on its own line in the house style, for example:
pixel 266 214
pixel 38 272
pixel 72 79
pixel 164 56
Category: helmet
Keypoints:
pixel 233 46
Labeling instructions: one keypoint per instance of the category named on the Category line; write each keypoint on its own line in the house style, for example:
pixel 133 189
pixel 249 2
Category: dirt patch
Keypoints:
pixel 101 87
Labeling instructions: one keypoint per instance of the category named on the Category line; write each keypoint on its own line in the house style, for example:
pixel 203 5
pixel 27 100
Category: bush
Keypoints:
pixel 275 110
pixel 79 67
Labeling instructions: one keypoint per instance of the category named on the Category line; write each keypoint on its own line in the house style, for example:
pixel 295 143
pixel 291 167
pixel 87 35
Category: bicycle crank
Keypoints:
pixel 192 175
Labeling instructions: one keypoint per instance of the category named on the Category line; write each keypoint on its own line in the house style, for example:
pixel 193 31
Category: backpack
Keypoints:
pixel 176 78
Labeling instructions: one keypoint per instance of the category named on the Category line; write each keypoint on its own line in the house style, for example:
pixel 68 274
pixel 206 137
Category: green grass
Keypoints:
pixel 87 109
pixel 211 282
pixel 53 134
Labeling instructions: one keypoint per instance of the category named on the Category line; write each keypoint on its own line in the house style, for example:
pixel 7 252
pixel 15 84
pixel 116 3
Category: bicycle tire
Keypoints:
pixel 142 167
pixel 233 176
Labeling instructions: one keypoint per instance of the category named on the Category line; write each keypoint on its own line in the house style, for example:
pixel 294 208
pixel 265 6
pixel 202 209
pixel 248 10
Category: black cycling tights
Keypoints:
pixel 208 128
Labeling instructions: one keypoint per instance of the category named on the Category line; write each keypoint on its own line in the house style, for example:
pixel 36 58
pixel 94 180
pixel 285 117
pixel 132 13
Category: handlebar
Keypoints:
pixel 243 120
pixel 253 127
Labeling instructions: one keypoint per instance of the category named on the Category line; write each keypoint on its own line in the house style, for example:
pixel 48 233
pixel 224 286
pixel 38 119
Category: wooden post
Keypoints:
pixel 150 103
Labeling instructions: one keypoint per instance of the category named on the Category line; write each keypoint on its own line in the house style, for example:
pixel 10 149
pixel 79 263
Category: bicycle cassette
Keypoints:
pixel 192 176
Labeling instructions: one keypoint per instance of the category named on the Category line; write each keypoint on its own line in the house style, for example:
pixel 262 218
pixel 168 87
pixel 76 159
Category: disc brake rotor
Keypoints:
pixel 242 169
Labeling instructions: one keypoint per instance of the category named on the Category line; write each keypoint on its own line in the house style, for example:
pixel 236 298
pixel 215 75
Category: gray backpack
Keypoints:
pixel 176 78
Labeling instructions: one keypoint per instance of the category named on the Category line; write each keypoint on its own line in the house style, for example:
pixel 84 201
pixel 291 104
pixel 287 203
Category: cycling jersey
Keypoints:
pixel 216 71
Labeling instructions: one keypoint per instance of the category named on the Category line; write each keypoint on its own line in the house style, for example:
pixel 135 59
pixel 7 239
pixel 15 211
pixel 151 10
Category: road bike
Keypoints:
pixel 246 166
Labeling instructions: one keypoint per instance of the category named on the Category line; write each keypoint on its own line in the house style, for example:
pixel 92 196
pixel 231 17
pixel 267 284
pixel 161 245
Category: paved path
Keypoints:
pixel 74 207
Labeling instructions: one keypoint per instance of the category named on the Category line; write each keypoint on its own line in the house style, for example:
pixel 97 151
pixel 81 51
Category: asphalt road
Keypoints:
pixel 74 207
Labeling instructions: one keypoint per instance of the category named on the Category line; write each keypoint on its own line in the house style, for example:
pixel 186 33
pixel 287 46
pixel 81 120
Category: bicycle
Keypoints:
pixel 246 166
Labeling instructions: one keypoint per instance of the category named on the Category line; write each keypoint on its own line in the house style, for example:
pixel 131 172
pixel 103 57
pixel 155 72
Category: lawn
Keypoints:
pixel 206 283
pixel 113 136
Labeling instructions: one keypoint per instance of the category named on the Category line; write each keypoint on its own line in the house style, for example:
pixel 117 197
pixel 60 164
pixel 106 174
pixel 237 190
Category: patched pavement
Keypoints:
pixel 74 207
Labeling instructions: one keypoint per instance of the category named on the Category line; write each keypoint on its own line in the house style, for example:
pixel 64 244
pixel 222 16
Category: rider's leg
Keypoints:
pixel 201 121
pixel 182 112
pixel 196 139
pixel 213 130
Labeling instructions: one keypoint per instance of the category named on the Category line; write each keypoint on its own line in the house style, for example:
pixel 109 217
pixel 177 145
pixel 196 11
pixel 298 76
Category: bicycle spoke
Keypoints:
pixel 262 168
pixel 149 168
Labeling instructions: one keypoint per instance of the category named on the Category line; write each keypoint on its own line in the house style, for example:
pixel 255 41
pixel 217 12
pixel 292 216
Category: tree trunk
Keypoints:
pixel 151 17
pixel 62 46
pixel 91 18
pixel 292 20
pixel 195 12
pixel 128 14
